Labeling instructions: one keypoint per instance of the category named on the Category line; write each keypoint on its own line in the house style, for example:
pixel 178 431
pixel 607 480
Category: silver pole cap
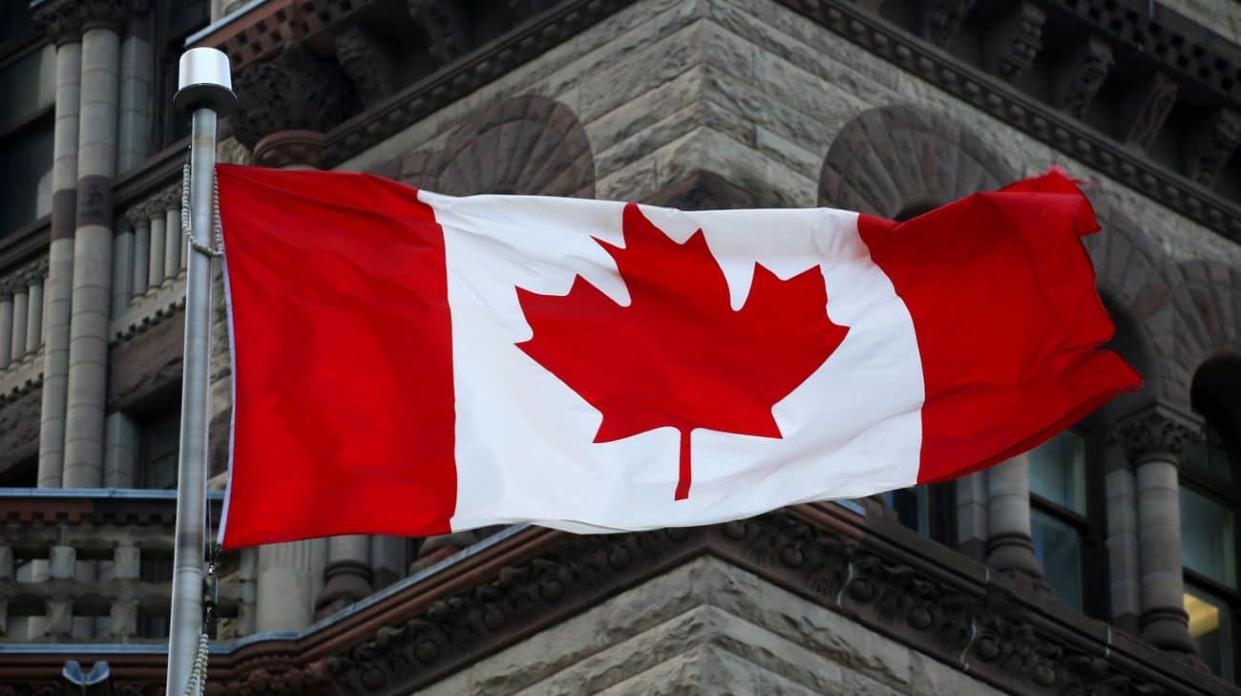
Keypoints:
pixel 205 80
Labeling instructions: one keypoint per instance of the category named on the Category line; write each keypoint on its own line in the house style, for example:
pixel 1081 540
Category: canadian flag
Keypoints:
pixel 411 363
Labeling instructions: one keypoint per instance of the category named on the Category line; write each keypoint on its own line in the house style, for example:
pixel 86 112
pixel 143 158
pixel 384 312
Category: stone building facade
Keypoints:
pixel 1104 562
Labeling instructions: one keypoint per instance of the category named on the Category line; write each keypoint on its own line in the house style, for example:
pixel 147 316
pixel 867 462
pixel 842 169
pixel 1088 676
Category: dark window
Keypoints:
pixel 177 20
pixel 158 447
pixel 28 83
pixel 153 623
pixel 1061 520
pixel 929 510
pixel 1210 497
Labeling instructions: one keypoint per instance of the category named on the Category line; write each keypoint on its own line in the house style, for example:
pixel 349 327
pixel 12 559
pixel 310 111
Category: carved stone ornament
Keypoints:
pixel 524 145
pixel 1214 146
pixel 1081 76
pixel 446 25
pixel 293 91
pixel 1147 109
pixel 368 63
pixel 65 20
pixel 1010 47
pixel 1158 431
pixel 941 19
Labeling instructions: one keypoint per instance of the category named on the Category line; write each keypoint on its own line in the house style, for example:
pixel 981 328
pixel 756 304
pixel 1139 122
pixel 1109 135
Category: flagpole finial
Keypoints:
pixel 205 80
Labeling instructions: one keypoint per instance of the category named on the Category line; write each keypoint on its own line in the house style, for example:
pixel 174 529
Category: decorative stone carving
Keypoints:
pixel 528 145
pixel 61 20
pixel 1009 48
pixel 367 62
pixel 505 53
pixel 1213 146
pixel 447 26
pixel 295 91
pixel 1158 431
pixel 1147 108
pixel 893 160
pixel 941 19
pixel 1081 76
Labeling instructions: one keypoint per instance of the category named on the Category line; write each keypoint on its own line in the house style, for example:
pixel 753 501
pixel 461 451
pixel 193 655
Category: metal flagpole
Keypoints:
pixel 205 89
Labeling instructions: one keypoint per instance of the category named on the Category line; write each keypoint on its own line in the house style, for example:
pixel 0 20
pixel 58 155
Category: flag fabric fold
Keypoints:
pixel 410 363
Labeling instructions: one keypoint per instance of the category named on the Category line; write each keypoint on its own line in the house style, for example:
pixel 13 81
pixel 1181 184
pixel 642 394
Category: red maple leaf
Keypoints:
pixel 679 355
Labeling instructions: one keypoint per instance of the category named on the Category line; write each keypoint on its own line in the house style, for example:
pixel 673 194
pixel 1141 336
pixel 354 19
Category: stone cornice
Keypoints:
pixel 466 74
pixel 883 576
pixel 1035 118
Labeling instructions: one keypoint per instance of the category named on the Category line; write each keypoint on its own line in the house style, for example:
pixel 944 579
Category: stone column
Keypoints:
pixel 972 515
pixel 1009 548
pixel 92 250
pixel 122 267
pixel 120 451
pixel 6 325
pixel 155 265
pixel 21 308
pixel 1120 487
pixel 133 138
pixel 388 560
pixel 172 235
pixel 34 318
pixel 1156 439
pixel 62 20
pixel 142 251
pixel 289 578
pixel 286 104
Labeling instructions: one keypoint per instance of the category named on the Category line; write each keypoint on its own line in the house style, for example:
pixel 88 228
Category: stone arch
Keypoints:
pixel 1131 274
pixel 1204 324
pixel 898 159
pixel 528 145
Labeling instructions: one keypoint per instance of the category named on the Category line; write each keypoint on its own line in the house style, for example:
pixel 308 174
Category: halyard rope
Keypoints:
pixel 218 248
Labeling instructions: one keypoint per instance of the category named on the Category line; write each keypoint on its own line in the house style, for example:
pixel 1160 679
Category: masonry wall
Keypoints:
pixel 753 92
pixel 708 627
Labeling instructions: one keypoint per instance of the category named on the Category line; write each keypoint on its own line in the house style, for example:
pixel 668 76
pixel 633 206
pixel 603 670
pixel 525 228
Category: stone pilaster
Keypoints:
pixel 1156 440
pixel 1009 548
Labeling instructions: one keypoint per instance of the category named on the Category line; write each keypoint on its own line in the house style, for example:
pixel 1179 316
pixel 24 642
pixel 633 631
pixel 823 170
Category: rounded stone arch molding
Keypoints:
pixel 524 145
pixel 899 160
pixel 1204 323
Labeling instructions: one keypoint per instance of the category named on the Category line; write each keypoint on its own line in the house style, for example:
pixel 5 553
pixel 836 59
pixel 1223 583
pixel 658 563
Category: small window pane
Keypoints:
pixel 1058 547
pixel 1058 471
pixel 158 452
pixel 1210 625
pixel 28 86
pixel 912 507
pixel 26 173
pixel 1207 538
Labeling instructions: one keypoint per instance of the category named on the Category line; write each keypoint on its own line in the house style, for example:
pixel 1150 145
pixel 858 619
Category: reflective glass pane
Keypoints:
pixel 1208 544
pixel 1058 471
pixel 28 86
pixel 1210 625
pixel 1058 547
pixel 912 507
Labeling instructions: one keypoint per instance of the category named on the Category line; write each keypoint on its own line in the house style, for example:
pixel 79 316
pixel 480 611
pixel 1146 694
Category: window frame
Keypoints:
pixel 10 54
pixel 1226 493
pixel 1090 526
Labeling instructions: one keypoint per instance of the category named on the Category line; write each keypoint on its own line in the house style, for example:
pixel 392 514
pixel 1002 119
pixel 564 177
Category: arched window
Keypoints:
pixel 1210 496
